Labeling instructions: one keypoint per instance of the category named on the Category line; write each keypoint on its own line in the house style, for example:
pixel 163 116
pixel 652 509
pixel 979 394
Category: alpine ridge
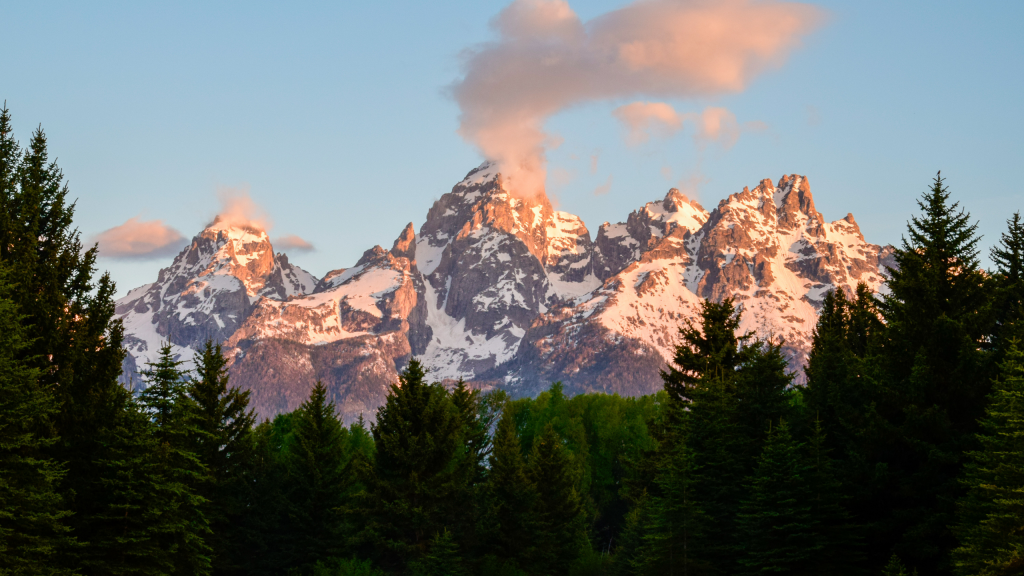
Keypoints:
pixel 504 292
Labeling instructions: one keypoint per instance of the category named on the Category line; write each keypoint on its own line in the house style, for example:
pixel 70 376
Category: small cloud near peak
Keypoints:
pixel 292 242
pixel 139 240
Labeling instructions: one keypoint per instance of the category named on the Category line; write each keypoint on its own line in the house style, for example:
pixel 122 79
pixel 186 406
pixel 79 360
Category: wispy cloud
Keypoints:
pixel 139 240
pixel 604 188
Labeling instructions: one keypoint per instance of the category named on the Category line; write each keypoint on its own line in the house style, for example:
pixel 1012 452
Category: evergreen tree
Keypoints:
pixel 895 567
pixel 135 531
pixel 510 521
pixel 467 402
pixel 1008 255
pixel 841 543
pixel 776 526
pixel 561 532
pixel 936 328
pixel 675 525
pixel 76 344
pixel 418 485
pixel 318 485
pixel 177 432
pixel 224 446
pixel 991 514
pixel 32 513
pixel 711 350
pixel 442 558
pixel 761 391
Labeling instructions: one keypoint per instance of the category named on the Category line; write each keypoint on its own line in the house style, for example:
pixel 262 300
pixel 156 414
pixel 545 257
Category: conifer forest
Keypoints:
pixel 903 454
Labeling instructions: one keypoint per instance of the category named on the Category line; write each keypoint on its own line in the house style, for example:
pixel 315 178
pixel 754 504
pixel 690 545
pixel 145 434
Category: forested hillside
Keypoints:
pixel 903 453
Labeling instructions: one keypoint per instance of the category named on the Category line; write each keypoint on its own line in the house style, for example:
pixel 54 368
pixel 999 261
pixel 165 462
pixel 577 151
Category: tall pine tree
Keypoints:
pixel 1008 282
pixel 76 344
pixel 224 446
pixel 317 483
pixel 776 529
pixel 176 429
pixel 418 485
pixel 33 532
pixel 991 515
pixel 561 530
pixel 509 521
pixel 936 325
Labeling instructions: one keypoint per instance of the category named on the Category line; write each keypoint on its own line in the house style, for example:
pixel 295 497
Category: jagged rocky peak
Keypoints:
pixel 674 218
pixel 405 244
pixel 208 290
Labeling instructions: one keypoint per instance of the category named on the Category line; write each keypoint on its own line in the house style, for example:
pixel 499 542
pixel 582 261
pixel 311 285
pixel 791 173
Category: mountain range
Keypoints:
pixel 501 291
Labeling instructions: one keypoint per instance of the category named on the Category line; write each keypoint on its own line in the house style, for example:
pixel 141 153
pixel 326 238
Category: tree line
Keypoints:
pixel 903 453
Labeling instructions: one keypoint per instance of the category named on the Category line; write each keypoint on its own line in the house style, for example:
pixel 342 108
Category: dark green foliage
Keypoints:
pixel 675 524
pixel 317 486
pixel 991 515
pixel 1008 283
pixel 419 484
pixel 509 522
pixel 32 512
pixel 711 350
pixel 895 567
pixel 224 447
pixel 442 558
pixel 560 521
pixel 177 432
pixel 75 346
pixel 936 381
pixel 132 533
pixel 839 541
pixel 346 567
pixel 776 529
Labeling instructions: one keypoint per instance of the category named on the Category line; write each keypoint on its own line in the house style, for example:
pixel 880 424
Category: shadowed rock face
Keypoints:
pixel 506 291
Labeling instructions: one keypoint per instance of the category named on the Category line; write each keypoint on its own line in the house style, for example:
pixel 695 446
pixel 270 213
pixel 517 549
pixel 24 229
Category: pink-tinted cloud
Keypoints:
pixel 546 59
pixel 604 188
pixel 294 243
pixel 645 119
pixel 715 125
pixel 136 239
pixel 238 209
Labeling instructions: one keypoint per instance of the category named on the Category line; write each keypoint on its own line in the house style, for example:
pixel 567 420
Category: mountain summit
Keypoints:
pixel 503 291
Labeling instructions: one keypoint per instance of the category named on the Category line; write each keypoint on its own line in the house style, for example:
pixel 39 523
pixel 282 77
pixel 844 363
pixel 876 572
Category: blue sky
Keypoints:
pixel 337 118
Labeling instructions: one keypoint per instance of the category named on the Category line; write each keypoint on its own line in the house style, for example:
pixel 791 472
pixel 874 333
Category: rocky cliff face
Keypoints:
pixel 506 291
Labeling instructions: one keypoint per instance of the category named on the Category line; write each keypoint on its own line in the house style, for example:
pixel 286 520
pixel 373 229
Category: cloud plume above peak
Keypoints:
pixel 546 59
pixel 237 208
pixel 139 240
